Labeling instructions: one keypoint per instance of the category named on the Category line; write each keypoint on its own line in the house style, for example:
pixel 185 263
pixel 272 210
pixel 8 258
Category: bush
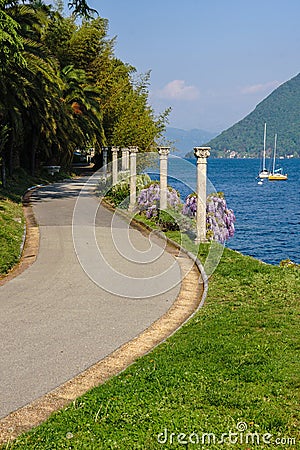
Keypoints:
pixel 120 192
pixel 219 219
pixel 149 199
pixel 167 221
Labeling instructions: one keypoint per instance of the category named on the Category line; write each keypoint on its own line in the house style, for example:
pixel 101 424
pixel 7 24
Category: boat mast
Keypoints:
pixel 274 158
pixel 264 154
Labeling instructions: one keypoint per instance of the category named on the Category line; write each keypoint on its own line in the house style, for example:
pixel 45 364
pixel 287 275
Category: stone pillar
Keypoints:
pixel 163 169
pixel 125 159
pixel 104 159
pixel 133 152
pixel 201 153
pixel 114 152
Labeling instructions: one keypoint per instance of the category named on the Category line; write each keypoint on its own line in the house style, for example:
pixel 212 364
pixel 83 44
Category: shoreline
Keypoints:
pixel 267 216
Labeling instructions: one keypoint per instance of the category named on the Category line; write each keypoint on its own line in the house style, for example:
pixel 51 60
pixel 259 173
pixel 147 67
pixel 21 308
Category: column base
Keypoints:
pixel 132 208
pixel 199 240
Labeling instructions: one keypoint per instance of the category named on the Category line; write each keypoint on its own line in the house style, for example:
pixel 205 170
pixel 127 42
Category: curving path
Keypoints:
pixel 58 320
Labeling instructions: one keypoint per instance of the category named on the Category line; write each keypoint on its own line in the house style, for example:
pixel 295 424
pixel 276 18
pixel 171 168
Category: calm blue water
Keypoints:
pixel 267 217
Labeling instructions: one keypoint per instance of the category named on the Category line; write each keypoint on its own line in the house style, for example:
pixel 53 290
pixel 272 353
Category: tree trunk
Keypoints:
pixel 3 172
pixel 16 158
pixel 35 143
pixel 10 158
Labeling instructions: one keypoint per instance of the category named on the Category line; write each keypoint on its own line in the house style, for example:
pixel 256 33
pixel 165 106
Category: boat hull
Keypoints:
pixel 264 174
pixel 279 177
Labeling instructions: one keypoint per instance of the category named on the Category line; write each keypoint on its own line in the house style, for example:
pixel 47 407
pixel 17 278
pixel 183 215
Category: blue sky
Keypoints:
pixel 212 61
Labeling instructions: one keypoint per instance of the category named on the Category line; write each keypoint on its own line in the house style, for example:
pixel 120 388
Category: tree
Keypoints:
pixel 83 99
pixel 128 118
pixel 28 90
pixel 81 8
pixel 11 45
pixel 4 133
pixel 61 88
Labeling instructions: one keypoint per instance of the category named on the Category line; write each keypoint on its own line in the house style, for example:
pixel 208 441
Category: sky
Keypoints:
pixel 211 61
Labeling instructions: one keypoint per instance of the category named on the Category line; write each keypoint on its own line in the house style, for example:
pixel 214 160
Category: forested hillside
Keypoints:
pixel 62 88
pixel 280 111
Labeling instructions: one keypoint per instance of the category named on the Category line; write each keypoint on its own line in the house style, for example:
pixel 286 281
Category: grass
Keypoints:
pixel 12 217
pixel 235 362
pixel 11 233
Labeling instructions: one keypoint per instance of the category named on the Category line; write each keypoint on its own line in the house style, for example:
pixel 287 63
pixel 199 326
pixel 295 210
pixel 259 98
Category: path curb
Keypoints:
pixel 30 244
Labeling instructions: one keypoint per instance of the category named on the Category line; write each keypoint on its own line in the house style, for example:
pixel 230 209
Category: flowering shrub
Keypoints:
pixel 167 221
pixel 190 207
pixel 119 193
pixel 219 219
pixel 149 198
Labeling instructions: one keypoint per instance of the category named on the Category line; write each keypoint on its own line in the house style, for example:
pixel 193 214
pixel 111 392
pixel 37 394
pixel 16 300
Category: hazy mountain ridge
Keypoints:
pixel 185 140
pixel 280 111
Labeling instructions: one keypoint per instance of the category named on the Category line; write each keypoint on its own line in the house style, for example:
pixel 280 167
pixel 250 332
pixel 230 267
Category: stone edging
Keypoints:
pixel 30 245
pixel 191 297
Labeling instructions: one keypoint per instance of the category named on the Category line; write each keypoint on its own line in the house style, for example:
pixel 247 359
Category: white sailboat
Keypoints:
pixel 264 173
pixel 276 174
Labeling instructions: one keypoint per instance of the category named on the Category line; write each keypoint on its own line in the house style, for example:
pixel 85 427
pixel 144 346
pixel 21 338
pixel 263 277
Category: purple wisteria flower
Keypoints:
pixel 149 198
pixel 219 219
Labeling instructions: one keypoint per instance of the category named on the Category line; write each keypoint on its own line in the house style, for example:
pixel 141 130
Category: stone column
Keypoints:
pixel 114 152
pixel 133 152
pixel 201 153
pixel 163 169
pixel 125 159
pixel 104 159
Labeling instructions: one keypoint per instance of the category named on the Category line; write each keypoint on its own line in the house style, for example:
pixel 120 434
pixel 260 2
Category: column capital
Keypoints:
pixel 124 149
pixel 115 149
pixel 201 152
pixel 133 149
pixel 163 151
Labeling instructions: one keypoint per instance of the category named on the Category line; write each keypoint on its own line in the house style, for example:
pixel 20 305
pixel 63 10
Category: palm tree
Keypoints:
pixel 83 98
pixel 81 8
pixel 27 91
pixel 4 132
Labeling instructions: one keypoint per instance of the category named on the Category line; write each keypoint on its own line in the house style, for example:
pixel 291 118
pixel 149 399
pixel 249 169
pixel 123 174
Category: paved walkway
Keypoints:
pixel 71 309
pixel 55 320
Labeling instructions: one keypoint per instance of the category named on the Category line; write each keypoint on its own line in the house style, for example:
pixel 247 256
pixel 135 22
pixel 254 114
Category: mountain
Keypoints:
pixel 186 140
pixel 280 111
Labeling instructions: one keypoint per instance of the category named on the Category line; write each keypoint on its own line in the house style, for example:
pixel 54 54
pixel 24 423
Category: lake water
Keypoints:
pixel 267 217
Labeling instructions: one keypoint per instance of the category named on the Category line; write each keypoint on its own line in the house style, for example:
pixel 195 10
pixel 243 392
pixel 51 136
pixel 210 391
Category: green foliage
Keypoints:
pixel 81 8
pixel 11 45
pixel 62 87
pixel 118 194
pixel 11 232
pixel 280 110
pixel 91 36
pixel 167 221
pixel 135 120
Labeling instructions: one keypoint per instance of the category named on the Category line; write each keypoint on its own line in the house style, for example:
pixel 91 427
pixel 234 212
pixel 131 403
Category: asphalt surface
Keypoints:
pixel 94 286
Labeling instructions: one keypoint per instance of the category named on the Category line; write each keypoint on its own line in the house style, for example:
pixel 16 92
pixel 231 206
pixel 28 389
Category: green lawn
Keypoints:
pixel 11 233
pixel 234 364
